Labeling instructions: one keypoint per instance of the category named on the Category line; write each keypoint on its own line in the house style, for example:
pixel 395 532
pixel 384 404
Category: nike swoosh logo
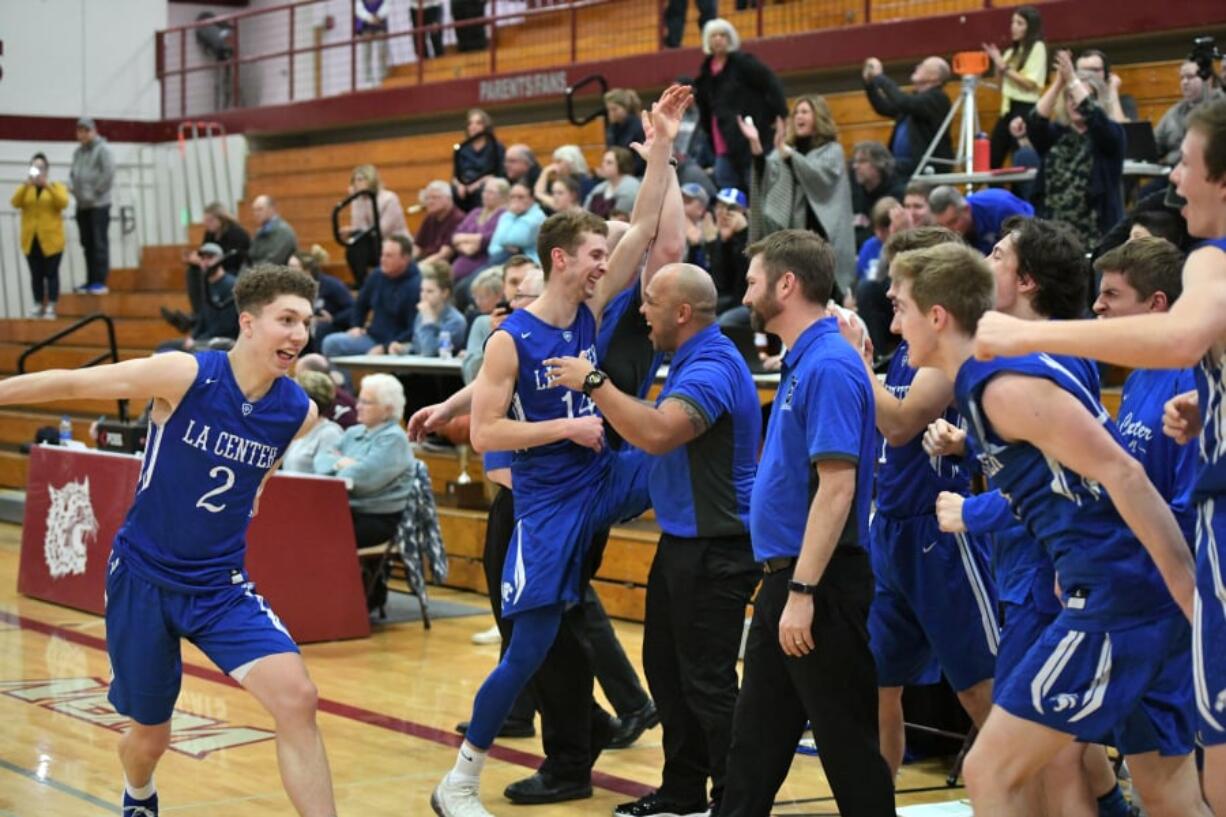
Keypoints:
pixel 525 335
pixel 930 546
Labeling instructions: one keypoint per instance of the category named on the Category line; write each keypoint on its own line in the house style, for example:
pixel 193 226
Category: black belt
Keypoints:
pixel 778 564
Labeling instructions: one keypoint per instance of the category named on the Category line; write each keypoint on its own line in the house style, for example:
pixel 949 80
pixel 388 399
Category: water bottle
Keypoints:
pixel 65 430
pixel 982 158
pixel 444 344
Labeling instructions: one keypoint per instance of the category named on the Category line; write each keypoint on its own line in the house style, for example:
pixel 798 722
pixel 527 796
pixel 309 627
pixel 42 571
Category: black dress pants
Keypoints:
pixel 92 225
pixel 674 19
pixel 834 687
pixel 44 273
pixel 696 596
pixel 429 16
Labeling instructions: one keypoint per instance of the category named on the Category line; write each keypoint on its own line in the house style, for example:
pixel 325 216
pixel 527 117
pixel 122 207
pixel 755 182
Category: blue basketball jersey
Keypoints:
pixel 1106 576
pixel 1211 394
pixel 187 527
pixel 549 472
pixel 908 480
pixel 1170 466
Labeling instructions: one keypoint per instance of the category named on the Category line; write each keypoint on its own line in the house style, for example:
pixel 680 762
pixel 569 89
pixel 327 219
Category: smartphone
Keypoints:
pixel 35 172
pixel 504 305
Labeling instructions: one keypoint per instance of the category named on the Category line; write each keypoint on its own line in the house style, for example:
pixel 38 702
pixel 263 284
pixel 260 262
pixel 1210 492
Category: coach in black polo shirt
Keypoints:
pixel 704 431
pixel 807 656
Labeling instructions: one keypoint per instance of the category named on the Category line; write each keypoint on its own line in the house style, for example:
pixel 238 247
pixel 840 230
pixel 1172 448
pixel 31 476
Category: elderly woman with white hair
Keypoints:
pixel 731 84
pixel 568 163
pixel 374 457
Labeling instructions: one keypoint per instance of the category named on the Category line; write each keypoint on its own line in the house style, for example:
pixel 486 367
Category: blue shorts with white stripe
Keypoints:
pixel 1130 683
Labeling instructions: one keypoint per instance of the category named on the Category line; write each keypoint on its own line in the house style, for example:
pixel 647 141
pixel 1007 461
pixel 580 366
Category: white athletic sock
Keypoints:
pixel 144 792
pixel 469 762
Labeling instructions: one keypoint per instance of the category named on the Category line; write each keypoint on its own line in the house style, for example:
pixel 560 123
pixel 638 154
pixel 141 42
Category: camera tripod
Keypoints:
pixel 969 65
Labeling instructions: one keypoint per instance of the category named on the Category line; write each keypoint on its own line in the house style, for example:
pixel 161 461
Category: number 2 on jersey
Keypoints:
pixel 227 483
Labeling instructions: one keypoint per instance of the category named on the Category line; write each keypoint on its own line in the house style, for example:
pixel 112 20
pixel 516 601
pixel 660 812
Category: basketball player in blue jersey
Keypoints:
pixel 568 485
pixel 933 596
pixel 1111 661
pixel 1191 333
pixel 219 426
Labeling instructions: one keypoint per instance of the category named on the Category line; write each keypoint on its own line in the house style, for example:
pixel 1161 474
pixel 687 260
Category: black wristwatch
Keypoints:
pixel 800 587
pixel 594 380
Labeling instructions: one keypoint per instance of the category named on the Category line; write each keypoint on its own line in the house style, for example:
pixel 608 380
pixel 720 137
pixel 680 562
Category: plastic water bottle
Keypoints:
pixel 65 430
pixel 444 344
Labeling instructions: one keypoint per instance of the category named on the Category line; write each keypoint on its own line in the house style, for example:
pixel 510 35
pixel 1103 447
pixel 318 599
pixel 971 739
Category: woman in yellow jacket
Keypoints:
pixel 42 234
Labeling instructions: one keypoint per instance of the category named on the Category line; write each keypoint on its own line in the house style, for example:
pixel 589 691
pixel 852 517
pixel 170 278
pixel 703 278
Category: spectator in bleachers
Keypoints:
pixel 726 253
pixel 978 218
pixel 1022 73
pixel 433 240
pixel 624 123
pixel 872 303
pixel 91 177
pixel 560 195
pixel 915 202
pixel 732 83
pixel 917 116
pixel 1162 223
pixel 619 187
pixel 518 227
pixel 471 239
pixel 375 459
pixel 1120 107
pixel 873 177
pixel 486 292
pixel 41 202
pixel 699 224
pixel 217 317
pixel 1024 155
pixel 344 405
pixel 274 241
pixel 1082 151
pixel 521 165
pixel 693 145
pixel 221 229
pixel 802 183
pixel 470 36
pixel 513 273
pixel 479 157
pixel 436 315
pixel 427 13
pixel 674 19
pixel 370 21
pixel 333 300
pixel 1174 123
pixel 324 434
pixel 388 298
pixel 568 160
pixel 362 255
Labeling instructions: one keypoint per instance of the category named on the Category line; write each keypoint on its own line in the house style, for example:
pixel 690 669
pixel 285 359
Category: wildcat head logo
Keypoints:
pixel 70 519
pixel 247 409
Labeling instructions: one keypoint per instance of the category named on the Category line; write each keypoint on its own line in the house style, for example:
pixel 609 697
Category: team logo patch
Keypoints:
pixel 70 521
pixel 1064 701
pixel 247 409
pixel 568 336
pixel 1219 703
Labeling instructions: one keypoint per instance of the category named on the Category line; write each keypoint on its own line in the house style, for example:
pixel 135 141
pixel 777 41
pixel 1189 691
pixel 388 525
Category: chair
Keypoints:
pixel 417 537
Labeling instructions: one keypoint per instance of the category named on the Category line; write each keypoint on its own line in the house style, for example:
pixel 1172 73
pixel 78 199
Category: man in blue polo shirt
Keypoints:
pixel 978 218
pixel 807 657
pixel 703 431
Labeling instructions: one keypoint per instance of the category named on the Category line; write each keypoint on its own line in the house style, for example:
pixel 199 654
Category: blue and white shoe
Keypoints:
pixel 140 808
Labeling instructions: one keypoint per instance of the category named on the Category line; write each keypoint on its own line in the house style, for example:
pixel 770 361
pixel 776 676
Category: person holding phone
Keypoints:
pixel 41 203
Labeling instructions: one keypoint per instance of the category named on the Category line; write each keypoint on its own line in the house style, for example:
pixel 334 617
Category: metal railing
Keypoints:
pixel 111 354
pixel 314 49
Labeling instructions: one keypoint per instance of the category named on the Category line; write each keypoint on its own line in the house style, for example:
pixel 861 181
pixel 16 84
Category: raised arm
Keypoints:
pixel 1049 418
pixel 492 430
pixel 670 245
pixel 1168 340
pixel 165 377
pixel 666 116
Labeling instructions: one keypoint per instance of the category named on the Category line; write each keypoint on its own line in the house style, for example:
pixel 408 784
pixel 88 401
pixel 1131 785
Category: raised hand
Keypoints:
pixel 1181 420
pixel 994 55
pixel 666 114
pixel 1064 66
pixel 750 131
pixel 649 135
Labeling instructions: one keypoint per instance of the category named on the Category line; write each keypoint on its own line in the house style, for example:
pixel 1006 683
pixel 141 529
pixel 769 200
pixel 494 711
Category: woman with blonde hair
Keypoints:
pixel 624 123
pixel 324 434
pixel 362 254
pixel 803 183
pixel 477 159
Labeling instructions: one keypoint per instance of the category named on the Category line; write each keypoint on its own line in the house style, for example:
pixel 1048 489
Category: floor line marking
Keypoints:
pixel 58 786
pixel 443 737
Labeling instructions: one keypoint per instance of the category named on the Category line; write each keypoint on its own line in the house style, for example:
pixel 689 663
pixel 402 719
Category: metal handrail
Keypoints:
pixel 112 353
pixel 354 238
pixel 570 99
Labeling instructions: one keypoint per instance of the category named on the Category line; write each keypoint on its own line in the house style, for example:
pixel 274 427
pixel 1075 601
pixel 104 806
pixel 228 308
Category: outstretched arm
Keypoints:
pixel 492 430
pixel 1169 340
pixel 670 245
pixel 165 377
pixel 1041 413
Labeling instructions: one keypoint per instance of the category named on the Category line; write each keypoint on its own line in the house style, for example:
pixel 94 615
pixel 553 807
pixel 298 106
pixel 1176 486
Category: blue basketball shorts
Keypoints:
pixel 232 625
pixel 1130 683
pixel 933 599
pixel 1021 625
pixel 548 549
pixel 1209 624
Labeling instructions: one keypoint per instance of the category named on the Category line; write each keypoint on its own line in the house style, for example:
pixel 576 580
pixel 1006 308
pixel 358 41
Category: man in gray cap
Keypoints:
pixel 93 172
pixel 699 223
pixel 217 318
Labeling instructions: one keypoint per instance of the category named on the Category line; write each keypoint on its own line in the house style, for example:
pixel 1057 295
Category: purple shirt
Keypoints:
pixel 466 265
pixel 436 232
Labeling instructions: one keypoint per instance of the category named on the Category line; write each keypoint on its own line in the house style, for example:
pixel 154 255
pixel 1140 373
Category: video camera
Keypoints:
pixel 1204 53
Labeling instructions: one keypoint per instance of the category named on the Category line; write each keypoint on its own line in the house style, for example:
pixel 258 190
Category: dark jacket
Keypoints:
pixel 394 302
pixel 1107 146
pixel 728 268
pixel 924 111
pixel 334 298
pixel 862 200
pixel 234 242
pixel 217 317
pixel 625 133
pixel 745 87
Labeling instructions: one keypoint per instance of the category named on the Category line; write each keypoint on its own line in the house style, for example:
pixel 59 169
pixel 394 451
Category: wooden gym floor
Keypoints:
pixel 388 705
